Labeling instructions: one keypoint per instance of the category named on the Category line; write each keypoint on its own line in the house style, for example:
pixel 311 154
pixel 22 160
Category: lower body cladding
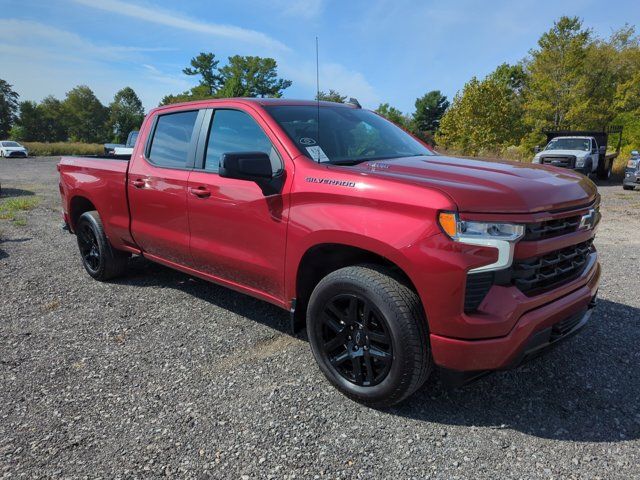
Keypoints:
pixel 462 360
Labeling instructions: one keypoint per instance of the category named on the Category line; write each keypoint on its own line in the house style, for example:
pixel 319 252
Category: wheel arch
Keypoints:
pixel 78 205
pixel 323 258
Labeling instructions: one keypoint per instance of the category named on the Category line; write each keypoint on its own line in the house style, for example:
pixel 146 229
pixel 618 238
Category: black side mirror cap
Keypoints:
pixel 254 167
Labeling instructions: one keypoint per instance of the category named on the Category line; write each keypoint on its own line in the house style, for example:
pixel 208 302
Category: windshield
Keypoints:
pixel 346 135
pixel 569 144
pixel 10 144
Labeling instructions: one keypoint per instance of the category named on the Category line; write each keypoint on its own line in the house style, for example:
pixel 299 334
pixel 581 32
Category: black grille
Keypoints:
pixel 478 285
pixel 535 275
pixel 551 228
pixel 566 161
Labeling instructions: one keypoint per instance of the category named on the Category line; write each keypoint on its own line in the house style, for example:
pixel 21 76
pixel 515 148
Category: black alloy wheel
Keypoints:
pixel 356 340
pixel 88 245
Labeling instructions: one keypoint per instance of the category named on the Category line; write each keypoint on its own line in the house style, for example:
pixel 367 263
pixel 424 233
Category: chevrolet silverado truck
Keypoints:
pixel 582 151
pixel 397 260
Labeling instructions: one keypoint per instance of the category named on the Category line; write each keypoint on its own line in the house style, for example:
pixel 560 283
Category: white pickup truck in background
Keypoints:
pixel 585 152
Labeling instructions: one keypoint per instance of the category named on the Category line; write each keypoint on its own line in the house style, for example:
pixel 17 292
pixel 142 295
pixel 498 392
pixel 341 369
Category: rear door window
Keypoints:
pixel 172 139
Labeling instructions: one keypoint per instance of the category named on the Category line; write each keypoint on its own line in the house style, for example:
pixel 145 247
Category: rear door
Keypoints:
pixel 157 186
pixel 237 233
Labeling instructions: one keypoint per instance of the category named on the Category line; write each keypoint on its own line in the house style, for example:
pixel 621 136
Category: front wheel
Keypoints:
pixel 99 258
pixel 605 173
pixel 368 334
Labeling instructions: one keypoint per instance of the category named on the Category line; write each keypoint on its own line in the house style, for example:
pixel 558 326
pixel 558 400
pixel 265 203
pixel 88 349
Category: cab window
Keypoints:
pixel 235 131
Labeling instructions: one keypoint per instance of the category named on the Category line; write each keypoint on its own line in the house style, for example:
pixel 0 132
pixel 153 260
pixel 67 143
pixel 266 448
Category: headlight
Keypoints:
pixel 501 236
pixel 536 159
pixel 580 162
pixel 633 163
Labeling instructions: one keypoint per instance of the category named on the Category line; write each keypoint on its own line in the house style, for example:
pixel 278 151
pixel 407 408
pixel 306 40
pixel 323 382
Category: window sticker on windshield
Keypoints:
pixel 317 154
pixel 307 141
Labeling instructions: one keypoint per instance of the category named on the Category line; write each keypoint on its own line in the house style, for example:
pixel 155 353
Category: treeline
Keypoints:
pixel 241 76
pixel 79 117
pixel 423 122
pixel 571 80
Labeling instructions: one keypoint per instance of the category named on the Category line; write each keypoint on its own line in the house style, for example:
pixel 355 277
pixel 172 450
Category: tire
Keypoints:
pixel 343 339
pixel 605 174
pixel 628 187
pixel 99 258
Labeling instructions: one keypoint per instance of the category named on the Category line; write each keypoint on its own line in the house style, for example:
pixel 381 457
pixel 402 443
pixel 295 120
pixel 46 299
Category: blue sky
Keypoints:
pixel 376 50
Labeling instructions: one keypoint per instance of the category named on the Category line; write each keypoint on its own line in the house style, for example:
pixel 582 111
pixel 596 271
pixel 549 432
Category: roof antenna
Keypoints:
pixel 318 97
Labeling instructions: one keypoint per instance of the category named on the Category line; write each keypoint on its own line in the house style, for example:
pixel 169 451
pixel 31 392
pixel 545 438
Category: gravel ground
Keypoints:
pixel 161 374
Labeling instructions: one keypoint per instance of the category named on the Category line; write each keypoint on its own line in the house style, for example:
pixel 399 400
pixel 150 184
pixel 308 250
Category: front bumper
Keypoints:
pixel 16 154
pixel 631 177
pixel 532 331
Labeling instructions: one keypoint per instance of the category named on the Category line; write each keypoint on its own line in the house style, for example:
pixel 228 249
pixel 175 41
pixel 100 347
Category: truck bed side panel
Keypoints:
pixel 103 183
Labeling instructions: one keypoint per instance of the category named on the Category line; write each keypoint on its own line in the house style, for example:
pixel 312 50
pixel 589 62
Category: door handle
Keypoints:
pixel 201 192
pixel 138 183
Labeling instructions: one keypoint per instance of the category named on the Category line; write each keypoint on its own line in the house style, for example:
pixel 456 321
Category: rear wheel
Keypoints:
pixel 628 187
pixel 604 173
pixel 99 258
pixel 368 334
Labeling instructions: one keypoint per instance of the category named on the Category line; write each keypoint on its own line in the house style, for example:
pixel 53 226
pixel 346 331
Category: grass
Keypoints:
pixel 63 148
pixel 14 209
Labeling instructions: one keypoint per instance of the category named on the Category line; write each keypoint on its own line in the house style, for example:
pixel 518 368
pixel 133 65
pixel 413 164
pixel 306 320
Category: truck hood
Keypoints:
pixel 490 186
pixel 576 153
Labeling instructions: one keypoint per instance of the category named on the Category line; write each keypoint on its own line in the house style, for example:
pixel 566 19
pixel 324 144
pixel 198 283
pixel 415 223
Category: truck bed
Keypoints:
pixel 102 180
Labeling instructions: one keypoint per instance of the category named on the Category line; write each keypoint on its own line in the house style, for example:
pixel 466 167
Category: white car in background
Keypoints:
pixel 9 148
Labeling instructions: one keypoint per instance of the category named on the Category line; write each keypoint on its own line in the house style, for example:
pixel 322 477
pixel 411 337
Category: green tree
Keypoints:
pixel 30 122
pixel 125 114
pixel 555 96
pixel 331 96
pixel 86 116
pixel 483 118
pixel 206 66
pixel 247 76
pixel 393 114
pixel 429 110
pixel 8 107
pixel 54 121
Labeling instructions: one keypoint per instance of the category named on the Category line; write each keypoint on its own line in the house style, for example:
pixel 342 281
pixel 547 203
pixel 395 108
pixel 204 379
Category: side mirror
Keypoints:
pixel 603 149
pixel 536 149
pixel 635 153
pixel 252 166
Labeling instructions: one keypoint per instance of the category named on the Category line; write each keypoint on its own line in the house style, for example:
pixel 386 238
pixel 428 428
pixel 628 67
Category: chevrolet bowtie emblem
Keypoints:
pixel 588 220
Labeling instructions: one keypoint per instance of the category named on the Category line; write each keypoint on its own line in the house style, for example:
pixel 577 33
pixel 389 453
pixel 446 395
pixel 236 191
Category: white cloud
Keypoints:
pixel 51 61
pixel 152 14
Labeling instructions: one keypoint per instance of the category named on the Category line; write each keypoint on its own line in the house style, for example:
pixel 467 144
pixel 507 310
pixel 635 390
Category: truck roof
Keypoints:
pixel 572 136
pixel 259 101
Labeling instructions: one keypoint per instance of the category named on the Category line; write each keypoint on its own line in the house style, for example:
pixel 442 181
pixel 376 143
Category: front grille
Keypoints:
pixel 535 275
pixel 566 161
pixel 17 154
pixel 551 228
pixel 477 287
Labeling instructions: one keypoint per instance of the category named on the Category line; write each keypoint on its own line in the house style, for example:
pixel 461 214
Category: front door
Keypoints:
pixel 237 233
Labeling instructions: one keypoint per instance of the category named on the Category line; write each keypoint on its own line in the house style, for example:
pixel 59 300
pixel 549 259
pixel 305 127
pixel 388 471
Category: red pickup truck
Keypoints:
pixel 398 259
